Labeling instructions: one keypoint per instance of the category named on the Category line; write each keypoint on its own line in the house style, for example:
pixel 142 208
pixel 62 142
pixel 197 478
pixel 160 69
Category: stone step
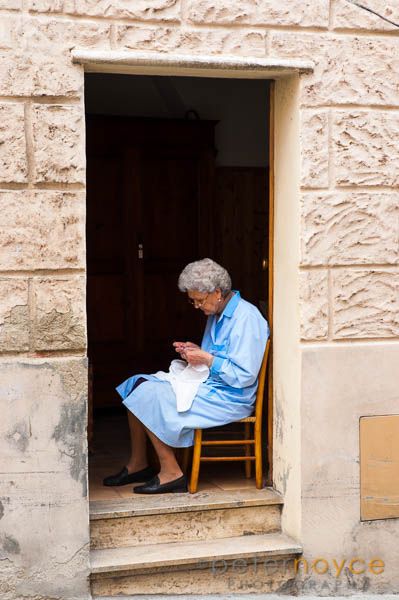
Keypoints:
pixel 250 563
pixel 184 517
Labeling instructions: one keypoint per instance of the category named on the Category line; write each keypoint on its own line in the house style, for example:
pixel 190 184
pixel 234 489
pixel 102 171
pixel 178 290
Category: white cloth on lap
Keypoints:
pixel 185 380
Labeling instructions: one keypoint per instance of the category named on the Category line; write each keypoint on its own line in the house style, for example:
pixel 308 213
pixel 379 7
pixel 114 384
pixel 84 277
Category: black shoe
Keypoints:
pixel 123 477
pixel 154 487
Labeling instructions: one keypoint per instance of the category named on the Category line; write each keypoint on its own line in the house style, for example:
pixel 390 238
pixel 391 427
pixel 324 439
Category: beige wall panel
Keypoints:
pixel 379 467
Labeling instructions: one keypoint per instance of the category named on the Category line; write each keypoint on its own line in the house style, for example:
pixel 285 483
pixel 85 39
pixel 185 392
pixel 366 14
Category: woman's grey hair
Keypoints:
pixel 204 276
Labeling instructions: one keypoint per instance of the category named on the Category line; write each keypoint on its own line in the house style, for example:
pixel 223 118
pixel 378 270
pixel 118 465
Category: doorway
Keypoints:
pixel 177 169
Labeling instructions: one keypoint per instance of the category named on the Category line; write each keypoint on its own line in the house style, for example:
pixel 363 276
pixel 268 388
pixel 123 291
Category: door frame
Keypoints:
pixel 270 271
pixel 284 450
pixel 135 281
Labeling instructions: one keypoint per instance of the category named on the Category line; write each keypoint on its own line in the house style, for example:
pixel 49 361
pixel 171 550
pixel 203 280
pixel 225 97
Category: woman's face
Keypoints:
pixel 209 303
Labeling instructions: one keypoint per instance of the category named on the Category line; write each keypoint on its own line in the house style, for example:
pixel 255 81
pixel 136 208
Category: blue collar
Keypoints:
pixel 231 305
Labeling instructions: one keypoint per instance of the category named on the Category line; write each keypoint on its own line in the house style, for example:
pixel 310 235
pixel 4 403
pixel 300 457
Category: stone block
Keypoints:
pixel 39 73
pixel 11 4
pixel 349 16
pixel 13 159
pixel 200 41
pixel 155 10
pixel 43 460
pixel 10 31
pixel 60 317
pixel 14 315
pixel 61 35
pixel 314 149
pixel 344 67
pixel 267 12
pixel 58 139
pixel 366 148
pixel 314 304
pixel 167 527
pixel 42 229
pixel 249 576
pixel 366 303
pixel 350 228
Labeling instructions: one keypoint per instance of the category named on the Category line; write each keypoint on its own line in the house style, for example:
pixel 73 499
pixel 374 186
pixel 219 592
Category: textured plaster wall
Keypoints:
pixel 43 462
pixel 346 202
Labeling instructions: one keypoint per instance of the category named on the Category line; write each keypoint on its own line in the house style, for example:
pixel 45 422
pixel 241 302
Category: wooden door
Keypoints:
pixel 241 221
pixel 149 195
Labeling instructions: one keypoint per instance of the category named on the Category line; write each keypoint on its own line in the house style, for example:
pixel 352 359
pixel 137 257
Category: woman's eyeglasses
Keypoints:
pixel 198 303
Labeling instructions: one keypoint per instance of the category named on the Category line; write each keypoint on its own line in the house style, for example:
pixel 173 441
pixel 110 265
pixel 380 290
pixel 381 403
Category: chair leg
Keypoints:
pixel 247 434
pixel 196 461
pixel 258 457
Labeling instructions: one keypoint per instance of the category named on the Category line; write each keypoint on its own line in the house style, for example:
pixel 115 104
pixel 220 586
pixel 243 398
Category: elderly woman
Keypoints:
pixel 232 347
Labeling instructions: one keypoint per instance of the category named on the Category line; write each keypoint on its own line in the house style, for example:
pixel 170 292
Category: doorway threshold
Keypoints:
pixel 182 502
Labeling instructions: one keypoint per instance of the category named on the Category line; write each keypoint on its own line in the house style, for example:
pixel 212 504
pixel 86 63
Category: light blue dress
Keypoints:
pixel 237 340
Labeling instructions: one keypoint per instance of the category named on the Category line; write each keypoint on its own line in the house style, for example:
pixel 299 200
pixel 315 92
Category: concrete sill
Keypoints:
pixel 131 62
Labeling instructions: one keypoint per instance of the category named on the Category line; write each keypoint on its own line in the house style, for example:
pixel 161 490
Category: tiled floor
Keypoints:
pixel 110 451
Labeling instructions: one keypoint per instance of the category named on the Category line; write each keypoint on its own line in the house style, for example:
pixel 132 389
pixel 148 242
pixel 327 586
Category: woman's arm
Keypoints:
pixel 240 365
pixel 196 356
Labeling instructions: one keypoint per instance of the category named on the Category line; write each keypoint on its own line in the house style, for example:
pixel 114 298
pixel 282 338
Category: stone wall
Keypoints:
pixel 349 203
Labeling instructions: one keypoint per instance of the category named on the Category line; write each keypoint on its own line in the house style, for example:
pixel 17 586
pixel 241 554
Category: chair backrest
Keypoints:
pixel 261 383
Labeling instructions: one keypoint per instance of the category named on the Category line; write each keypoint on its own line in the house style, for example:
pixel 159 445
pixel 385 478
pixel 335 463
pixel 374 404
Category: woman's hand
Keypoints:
pixel 181 348
pixel 196 356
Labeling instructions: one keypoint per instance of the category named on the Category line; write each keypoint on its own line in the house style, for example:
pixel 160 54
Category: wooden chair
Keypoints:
pixel 248 442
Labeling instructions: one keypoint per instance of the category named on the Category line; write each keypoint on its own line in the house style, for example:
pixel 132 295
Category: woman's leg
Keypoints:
pixel 138 440
pixel 138 444
pixel 170 469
